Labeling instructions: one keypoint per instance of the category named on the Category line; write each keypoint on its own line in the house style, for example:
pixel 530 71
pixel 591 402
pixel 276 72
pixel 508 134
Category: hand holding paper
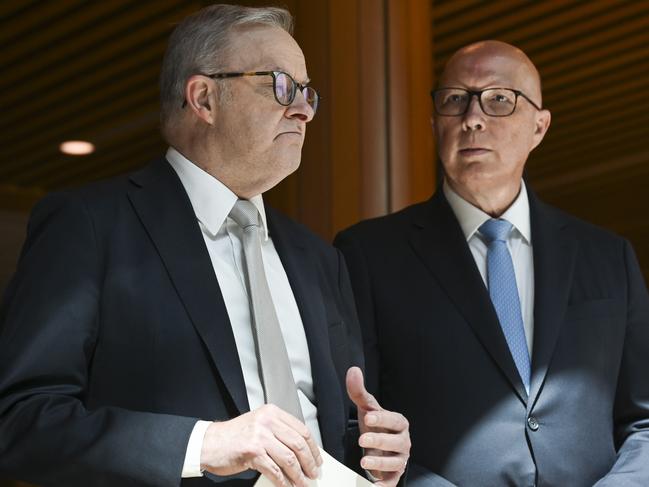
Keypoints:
pixel 332 474
pixel 268 440
pixel 384 434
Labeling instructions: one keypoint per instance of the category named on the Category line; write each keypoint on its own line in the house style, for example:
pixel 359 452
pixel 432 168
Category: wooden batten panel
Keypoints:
pixel 345 123
pixel 370 149
pixel 373 105
pixel 412 175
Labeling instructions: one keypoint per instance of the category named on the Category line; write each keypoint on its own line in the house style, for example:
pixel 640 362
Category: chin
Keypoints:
pixel 291 161
pixel 282 170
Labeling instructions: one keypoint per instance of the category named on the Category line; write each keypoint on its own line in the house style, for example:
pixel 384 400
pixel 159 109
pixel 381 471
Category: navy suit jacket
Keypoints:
pixel 115 338
pixel 434 350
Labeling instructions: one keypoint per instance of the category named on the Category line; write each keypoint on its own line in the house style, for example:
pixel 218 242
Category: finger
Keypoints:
pixel 288 462
pixel 392 463
pixel 357 392
pixel 386 442
pixel 266 466
pixel 301 429
pixel 387 420
pixel 300 448
pixel 389 480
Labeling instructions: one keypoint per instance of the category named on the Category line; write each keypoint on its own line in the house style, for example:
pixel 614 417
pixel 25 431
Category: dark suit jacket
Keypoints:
pixel 115 338
pixel 434 351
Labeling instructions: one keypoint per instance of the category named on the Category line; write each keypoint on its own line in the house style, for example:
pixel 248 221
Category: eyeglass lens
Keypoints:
pixel 286 87
pixel 497 102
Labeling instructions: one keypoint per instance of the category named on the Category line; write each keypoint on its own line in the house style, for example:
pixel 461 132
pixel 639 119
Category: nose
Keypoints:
pixel 300 109
pixel 474 117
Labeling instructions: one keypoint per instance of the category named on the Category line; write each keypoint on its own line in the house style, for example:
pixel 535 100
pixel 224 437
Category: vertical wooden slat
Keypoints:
pixel 346 117
pixel 412 174
pixel 373 106
pixel 370 149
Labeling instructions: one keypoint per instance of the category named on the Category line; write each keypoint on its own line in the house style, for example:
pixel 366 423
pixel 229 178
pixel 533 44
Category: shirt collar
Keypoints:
pixel 211 199
pixel 471 217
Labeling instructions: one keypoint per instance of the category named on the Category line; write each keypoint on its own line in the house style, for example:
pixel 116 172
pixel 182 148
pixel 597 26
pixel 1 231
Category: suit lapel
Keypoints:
pixel 554 256
pixel 301 268
pixel 166 212
pixel 436 237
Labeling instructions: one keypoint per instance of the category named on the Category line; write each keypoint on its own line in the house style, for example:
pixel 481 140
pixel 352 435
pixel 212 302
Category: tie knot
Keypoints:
pixel 496 230
pixel 245 214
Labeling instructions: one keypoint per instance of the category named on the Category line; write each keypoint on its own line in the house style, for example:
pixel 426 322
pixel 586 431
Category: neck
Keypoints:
pixel 494 202
pixel 229 174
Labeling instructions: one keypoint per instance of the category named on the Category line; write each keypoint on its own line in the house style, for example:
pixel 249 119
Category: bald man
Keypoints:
pixel 514 337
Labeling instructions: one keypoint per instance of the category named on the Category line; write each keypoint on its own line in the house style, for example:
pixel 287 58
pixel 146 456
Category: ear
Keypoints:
pixel 200 96
pixel 541 125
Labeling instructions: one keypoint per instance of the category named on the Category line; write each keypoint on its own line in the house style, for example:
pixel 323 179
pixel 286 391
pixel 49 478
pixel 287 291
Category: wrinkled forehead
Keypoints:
pixel 489 68
pixel 265 48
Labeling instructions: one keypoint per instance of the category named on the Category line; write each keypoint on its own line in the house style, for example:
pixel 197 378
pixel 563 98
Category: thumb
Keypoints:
pixel 357 392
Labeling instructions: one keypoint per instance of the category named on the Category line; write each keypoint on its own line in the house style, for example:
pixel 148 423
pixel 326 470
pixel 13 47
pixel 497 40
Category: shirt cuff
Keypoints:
pixel 192 465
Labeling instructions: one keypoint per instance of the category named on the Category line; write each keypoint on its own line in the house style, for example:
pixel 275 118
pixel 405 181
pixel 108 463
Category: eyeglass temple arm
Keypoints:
pixel 236 75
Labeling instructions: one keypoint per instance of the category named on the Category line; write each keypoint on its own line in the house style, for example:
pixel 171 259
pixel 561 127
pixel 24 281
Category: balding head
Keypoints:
pixel 494 62
pixel 484 152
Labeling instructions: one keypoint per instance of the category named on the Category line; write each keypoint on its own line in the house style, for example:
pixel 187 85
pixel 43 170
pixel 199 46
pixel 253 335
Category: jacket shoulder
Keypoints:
pixel 298 231
pixel 380 226
pixel 583 230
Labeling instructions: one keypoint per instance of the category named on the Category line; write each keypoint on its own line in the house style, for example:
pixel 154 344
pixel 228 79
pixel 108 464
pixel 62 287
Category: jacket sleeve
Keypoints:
pixel 49 325
pixel 632 397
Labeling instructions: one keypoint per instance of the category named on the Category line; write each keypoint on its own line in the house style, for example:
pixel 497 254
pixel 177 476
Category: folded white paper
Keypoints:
pixel 332 474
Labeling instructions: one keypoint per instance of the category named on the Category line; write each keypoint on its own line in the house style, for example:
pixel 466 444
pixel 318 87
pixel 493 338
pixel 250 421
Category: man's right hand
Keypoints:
pixel 268 440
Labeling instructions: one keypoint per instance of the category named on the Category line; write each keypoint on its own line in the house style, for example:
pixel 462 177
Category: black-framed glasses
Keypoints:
pixel 495 102
pixel 284 86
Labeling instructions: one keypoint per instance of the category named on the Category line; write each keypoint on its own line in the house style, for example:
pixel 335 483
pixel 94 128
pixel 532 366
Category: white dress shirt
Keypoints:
pixel 519 244
pixel 212 202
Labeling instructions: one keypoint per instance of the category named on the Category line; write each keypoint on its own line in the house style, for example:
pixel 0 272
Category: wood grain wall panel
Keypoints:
pixel 369 150
pixel 410 78
pixel 371 25
pixel 346 116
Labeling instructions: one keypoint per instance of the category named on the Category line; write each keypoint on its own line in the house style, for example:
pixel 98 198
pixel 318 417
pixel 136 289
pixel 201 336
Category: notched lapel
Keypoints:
pixel 436 237
pixel 554 249
pixel 166 212
pixel 301 268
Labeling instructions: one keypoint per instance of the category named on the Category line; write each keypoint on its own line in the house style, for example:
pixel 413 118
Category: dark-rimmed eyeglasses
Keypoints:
pixel 495 102
pixel 284 86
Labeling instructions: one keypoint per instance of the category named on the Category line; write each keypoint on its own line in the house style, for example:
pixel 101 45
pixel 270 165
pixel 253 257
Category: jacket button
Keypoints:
pixel 532 423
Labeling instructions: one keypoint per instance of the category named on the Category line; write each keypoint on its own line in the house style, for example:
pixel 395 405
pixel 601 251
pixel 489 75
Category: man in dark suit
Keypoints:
pixel 514 337
pixel 166 327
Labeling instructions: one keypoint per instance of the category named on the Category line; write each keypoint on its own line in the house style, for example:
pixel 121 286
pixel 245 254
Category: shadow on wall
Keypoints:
pixel 13 227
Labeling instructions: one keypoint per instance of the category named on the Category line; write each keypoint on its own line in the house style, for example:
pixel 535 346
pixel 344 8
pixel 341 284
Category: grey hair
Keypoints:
pixel 198 44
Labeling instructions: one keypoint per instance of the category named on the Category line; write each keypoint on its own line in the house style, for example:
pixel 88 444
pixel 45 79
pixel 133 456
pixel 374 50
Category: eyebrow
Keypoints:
pixel 277 68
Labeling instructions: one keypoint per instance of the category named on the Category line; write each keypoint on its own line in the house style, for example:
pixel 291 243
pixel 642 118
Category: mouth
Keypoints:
pixel 291 133
pixel 474 151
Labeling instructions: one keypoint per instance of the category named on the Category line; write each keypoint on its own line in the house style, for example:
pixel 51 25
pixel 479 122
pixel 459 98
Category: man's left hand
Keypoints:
pixel 384 436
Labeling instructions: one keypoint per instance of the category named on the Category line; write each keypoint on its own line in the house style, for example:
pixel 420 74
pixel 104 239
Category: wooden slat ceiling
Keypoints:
pixel 75 69
pixel 594 61
pixel 78 69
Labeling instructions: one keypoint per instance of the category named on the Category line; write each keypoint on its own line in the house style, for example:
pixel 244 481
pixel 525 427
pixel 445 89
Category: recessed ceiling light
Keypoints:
pixel 77 147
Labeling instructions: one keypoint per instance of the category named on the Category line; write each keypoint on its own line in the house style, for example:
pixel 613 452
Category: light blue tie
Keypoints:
pixel 504 293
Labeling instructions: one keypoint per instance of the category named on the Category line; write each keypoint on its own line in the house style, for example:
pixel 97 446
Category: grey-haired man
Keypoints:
pixel 167 326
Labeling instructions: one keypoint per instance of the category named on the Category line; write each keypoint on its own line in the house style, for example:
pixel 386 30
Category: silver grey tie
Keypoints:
pixel 277 378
